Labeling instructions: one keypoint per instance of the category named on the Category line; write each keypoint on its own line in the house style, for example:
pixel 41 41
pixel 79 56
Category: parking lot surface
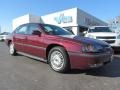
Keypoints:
pixel 23 73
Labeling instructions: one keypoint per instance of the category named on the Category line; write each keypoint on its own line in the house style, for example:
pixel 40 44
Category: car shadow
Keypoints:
pixel 110 70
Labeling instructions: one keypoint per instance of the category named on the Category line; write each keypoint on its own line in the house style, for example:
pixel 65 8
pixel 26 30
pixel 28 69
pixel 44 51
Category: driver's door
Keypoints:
pixel 35 42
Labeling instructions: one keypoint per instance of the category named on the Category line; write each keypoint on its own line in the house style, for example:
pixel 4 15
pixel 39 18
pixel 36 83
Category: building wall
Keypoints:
pixel 63 18
pixel 85 19
pixel 78 18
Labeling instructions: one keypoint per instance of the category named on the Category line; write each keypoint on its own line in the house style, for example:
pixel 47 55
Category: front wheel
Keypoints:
pixel 12 49
pixel 58 59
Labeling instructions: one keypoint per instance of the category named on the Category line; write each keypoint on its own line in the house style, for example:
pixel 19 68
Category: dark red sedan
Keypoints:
pixel 59 47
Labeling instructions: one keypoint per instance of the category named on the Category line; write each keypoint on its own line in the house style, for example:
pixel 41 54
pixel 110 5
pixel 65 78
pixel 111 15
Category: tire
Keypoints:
pixel 12 49
pixel 58 59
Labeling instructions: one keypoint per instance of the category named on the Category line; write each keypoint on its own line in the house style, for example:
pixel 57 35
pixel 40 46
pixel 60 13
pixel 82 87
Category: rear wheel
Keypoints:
pixel 58 59
pixel 12 50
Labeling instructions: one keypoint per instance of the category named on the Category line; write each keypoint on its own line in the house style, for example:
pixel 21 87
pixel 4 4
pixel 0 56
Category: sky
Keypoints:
pixel 10 9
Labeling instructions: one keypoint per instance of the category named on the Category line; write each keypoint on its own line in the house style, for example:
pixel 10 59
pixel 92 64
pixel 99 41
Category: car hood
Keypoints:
pixel 86 40
pixel 103 34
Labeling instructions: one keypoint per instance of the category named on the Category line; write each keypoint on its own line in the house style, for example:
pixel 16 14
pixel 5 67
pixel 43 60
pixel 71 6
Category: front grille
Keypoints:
pixel 110 41
pixel 106 37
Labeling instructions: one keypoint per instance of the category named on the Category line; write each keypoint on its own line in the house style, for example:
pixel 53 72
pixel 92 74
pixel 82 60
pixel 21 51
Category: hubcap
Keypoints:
pixel 57 60
pixel 11 48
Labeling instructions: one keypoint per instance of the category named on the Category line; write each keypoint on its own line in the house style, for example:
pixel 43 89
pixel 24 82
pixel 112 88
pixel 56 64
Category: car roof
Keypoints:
pixel 37 23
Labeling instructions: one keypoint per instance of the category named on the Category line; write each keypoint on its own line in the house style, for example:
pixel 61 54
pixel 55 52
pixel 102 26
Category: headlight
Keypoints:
pixel 92 48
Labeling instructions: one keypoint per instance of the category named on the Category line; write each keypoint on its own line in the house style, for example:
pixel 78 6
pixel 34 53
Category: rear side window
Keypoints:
pixel 21 30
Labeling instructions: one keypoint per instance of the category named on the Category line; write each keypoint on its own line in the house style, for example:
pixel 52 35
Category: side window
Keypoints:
pixel 21 30
pixel 34 27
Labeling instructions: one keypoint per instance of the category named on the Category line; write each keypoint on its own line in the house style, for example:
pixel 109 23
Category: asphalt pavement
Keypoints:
pixel 23 73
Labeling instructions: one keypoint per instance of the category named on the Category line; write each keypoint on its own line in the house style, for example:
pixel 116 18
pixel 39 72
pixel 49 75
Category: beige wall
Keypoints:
pixel 25 19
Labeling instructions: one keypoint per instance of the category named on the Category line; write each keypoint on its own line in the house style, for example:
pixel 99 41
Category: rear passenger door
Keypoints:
pixel 20 38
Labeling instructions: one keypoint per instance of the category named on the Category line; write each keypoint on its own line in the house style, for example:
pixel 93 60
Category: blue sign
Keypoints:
pixel 63 19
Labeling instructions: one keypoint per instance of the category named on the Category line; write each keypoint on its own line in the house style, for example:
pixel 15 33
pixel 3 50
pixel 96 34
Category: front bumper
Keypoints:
pixel 86 61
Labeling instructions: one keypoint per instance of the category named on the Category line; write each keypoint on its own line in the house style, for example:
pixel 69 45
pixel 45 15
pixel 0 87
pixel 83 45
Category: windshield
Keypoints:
pixel 55 30
pixel 100 29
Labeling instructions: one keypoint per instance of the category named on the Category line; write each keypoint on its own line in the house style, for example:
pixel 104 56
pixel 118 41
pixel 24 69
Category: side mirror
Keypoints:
pixel 36 32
